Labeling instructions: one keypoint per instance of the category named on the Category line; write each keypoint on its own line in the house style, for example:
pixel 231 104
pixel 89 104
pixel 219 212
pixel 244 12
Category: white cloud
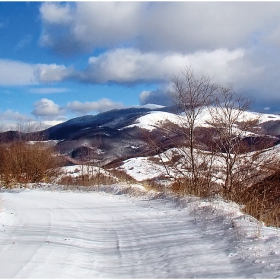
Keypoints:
pixel 160 26
pixel 11 115
pixel 90 24
pixel 48 90
pixel 101 105
pixel 16 73
pixel 257 78
pixel 47 73
pixel 54 13
pixel 104 23
pixel 193 26
pixel 236 43
pixel 46 108
pixel 132 66
pixel 10 120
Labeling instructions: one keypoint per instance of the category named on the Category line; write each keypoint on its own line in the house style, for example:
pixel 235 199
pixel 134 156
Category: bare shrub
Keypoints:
pixel 87 180
pixel 88 175
pixel 23 162
pixel 237 145
pixel 155 185
pixel 262 199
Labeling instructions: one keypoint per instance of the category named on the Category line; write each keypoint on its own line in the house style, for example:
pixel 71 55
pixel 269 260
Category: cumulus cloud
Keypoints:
pixel 148 42
pixel 47 73
pixel 46 108
pixel 123 66
pixel 53 13
pixel 206 25
pixel 159 26
pixel 99 106
pixel 132 66
pixel 17 73
pixel 236 43
pixel 10 115
pixel 88 24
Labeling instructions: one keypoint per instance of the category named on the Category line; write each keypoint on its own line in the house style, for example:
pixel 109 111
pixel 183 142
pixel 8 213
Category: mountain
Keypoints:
pixel 117 135
pixel 105 137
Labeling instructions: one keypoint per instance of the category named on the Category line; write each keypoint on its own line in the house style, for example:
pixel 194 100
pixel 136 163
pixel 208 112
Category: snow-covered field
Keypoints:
pixel 63 234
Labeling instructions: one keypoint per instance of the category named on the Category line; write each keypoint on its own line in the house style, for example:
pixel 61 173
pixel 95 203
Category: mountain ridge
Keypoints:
pixel 122 133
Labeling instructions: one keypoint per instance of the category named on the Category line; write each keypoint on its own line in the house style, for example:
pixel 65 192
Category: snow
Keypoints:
pixel 205 116
pixel 152 120
pixel 55 234
pixel 141 169
pixel 49 142
pixel 78 170
pixel 151 167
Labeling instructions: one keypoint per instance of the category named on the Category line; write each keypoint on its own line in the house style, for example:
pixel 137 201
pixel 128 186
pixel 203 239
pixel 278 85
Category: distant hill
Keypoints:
pixel 121 134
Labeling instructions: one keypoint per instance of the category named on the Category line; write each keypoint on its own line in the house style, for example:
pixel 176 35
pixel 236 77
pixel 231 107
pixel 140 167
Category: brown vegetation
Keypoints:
pixel 262 200
pixel 24 162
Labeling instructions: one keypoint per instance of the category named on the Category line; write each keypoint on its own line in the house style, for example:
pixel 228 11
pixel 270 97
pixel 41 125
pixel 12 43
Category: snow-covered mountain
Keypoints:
pixel 126 133
pixel 108 136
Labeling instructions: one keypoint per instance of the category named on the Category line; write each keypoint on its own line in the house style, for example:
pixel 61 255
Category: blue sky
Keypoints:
pixel 59 60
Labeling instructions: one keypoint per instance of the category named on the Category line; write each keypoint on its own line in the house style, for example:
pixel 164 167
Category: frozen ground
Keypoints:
pixel 62 234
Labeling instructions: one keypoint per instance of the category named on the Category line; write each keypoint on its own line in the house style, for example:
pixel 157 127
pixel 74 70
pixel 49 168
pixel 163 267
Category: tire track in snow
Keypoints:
pixel 15 237
pixel 110 237
pixel 66 248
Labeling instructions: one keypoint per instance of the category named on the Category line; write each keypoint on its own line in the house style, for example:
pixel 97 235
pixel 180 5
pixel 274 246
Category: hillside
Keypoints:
pixel 125 133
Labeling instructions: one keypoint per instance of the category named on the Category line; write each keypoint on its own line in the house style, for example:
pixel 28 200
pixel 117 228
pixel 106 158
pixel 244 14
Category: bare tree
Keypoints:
pixel 188 164
pixel 231 152
pixel 192 95
pixel 237 161
pixel 237 144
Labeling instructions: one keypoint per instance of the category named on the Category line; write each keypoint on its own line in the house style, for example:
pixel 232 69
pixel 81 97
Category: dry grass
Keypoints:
pixel 22 162
pixel 94 176
pixel 87 180
pixel 262 200
pixel 202 188
pixel 154 185
pixel 122 176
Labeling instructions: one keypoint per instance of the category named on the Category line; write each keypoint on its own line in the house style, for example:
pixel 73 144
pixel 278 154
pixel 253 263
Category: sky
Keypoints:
pixel 60 60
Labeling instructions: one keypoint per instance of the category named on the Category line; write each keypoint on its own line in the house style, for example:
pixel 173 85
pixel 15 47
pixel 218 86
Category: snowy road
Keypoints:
pixel 90 235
